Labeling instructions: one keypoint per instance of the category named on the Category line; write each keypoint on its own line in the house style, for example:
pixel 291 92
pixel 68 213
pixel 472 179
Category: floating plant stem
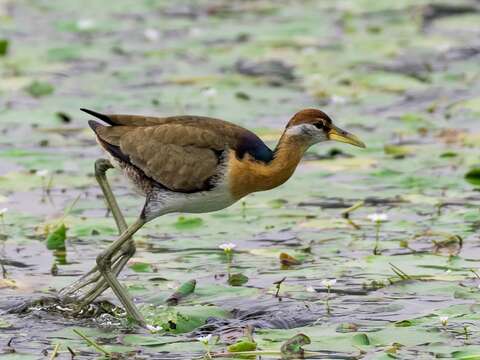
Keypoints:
pixel 228 250
pixel 92 343
pixel 377 219
pixel 55 352
pixel 328 283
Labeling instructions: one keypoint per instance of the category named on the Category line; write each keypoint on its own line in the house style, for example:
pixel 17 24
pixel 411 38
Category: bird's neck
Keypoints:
pixel 248 175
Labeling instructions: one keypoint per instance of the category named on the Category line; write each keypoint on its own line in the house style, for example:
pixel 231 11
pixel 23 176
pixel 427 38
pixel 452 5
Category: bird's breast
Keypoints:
pixel 247 175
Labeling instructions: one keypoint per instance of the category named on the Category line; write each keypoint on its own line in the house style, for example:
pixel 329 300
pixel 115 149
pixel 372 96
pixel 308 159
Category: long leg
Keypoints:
pixel 104 263
pixel 93 276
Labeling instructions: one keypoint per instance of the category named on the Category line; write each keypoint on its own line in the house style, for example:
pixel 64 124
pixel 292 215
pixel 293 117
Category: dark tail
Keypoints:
pixel 100 116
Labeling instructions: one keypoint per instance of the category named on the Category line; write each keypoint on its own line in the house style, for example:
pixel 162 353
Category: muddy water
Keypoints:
pixel 404 79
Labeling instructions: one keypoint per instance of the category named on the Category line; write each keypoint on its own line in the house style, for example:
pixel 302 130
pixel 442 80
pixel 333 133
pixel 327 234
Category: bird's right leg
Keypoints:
pixel 119 260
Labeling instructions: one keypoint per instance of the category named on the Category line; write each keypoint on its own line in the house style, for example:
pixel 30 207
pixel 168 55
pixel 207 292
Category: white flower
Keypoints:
pixel 444 320
pixel 3 211
pixel 376 218
pixel 42 173
pixel 310 289
pixel 196 32
pixel 329 282
pixel 153 328
pixel 210 93
pixel 85 24
pixel 336 99
pixel 227 246
pixel 205 339
pixel 151 34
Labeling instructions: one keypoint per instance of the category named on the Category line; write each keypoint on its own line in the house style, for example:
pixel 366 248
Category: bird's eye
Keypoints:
pixel 320 125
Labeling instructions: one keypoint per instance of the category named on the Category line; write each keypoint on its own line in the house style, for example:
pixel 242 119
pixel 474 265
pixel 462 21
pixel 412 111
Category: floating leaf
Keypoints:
pixel 7 284
pixel 347 327
pixel 39 88
pixel 397 151
pixel 141 267
pixel 361 339
pixel 182 319
pixel 237 279
pixel 4 43
pixel 4 324
pixel 187 223
pixel 403 323
pixel 242 345
pixel 473 176
pixel 184 290
pixel 56 239
pixel 288 260
pixel 293 346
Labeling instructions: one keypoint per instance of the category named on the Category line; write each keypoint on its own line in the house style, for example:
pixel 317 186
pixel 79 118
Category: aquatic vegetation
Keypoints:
pixel 402 76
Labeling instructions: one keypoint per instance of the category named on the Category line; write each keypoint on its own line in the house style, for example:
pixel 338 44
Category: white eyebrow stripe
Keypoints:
pixel 301 129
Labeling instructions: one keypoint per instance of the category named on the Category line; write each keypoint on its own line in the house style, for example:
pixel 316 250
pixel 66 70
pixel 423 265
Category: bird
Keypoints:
pixel 187 164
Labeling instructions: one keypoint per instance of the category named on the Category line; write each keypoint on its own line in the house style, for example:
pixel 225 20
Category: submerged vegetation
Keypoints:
pixel 314 268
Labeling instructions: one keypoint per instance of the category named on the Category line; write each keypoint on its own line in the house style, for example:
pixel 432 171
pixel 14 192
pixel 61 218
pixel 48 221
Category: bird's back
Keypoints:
pixel 179 153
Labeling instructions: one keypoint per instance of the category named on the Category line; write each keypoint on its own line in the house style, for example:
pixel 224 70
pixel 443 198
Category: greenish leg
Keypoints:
pixel 94 276
pixel 104 263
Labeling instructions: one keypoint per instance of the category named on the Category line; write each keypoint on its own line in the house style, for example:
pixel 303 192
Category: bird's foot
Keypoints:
pixel 91 285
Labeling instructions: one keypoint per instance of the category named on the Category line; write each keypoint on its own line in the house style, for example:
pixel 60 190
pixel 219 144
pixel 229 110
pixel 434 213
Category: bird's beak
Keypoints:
pixel 337 134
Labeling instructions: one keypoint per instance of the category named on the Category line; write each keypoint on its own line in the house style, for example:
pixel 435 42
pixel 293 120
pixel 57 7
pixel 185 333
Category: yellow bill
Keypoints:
pixel 337 134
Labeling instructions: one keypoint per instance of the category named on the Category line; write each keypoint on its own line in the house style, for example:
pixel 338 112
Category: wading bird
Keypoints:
pixel 189 164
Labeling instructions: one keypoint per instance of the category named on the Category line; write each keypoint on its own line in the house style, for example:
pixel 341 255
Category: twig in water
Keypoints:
pixel 277 285
pixel 55 352
pixel 92 343
pixel 346 213
pixel 399 272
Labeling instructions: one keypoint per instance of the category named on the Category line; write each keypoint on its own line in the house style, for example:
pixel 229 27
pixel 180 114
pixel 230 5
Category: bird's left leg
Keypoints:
pixel 120 260
pixel 104 262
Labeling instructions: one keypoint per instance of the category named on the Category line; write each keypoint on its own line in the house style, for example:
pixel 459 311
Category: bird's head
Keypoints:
pixel 311 126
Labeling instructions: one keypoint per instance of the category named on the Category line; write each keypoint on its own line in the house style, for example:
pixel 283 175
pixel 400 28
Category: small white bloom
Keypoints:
pixel 153 328
pixel 85 24
pixel 337 99
pixel 205 339
pixel 151 34
pixel 196 32
pixel 227 246
pixel 448 271
pixel 42 173
pixel 310 289
pixel 376 218
pixel 3 211
pixel 444 320
pixel 210 93
pixel 329 282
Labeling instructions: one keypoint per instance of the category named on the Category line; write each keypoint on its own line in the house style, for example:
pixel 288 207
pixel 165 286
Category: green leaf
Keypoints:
pixel 242 345
pixel 237 279
pixel 181 319
pixel 473 176
pixel 141 267
pixel 403 323
pixel 3 47
pixel 56 239
pixel 293 346
pixel 184 290
pixel 39 88
pixel 187 223
pixel 361 339
pixel 4 324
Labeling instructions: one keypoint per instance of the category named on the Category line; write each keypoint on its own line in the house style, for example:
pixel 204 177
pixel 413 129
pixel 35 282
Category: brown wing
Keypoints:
pixel 181 158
